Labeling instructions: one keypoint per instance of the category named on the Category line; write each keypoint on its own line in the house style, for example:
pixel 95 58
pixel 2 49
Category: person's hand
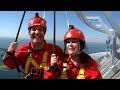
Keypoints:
pixel 54 59
pixel 12 47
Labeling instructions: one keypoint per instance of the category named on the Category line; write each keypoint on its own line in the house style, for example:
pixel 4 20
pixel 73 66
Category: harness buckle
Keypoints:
pixel 35 71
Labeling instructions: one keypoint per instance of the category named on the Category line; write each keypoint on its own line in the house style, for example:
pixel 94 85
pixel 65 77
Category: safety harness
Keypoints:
pixel 79 76
pixel 31 60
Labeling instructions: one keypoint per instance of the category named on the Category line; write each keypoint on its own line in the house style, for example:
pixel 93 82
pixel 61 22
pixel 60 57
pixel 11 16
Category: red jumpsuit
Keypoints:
pixel 90 70
pixel 22 54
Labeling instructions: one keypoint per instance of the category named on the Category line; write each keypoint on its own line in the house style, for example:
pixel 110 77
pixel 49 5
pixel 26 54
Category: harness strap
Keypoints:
pixel 79 76
pixel 64 73
pixel 31 60
pixel 34 63
pixel 44 61
pixel 44 57
pixel 81 73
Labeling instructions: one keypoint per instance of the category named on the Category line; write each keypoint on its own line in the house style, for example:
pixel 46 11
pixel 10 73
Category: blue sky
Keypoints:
pixel 10 20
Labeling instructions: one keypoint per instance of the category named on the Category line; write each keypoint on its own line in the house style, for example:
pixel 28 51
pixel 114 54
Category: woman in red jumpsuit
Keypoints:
pixel 34 56
pixel 78 64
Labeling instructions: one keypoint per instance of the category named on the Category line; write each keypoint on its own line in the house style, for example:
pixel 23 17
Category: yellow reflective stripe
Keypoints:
pixel 63 77
pixel 81 73
pixel 43 64
pixel 34 63
pixel 45 57
pixel 30 59
pixel 64 73
pixel 27 64
pixel 80 77
pixel 45 67
pixel 44 60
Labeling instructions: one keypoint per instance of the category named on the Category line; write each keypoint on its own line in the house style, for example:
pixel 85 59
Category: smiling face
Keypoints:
pixel 73 47
pixel 36 34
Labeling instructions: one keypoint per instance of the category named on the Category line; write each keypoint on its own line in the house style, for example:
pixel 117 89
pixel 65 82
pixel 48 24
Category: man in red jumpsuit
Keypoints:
pixel 34 56
pixel 78 64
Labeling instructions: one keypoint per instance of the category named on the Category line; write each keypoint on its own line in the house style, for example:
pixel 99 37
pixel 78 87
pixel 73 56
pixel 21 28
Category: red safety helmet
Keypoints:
pixel 74 33
pixel 37 21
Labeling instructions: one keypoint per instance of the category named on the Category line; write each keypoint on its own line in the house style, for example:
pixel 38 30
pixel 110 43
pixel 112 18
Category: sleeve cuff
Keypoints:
pixel 9 53
pixel 6 55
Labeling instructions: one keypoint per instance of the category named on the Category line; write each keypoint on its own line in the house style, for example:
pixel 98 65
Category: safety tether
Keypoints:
pixel 67 19
pixel 13 58
pixel 54 40
pixel 44 15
